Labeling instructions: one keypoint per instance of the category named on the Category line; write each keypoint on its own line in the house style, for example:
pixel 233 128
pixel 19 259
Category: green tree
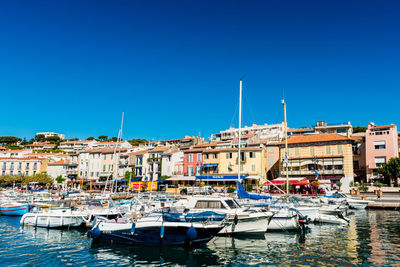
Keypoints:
pixel 40 138
pixel 60 179
pixel 391 171
pixel 359 129
pixel 136 142
pixel 128 176
pixel 53 139
pixel 90 138
pixel 113 139
pixel 103 137
pixel 9 140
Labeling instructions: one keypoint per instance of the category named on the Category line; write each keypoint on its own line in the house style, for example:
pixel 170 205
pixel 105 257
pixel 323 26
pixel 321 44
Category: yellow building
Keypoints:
pixel 329 156
pixel 221 164
pixel 23 166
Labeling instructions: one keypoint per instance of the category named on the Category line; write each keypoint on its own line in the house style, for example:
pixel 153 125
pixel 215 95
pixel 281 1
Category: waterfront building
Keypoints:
pixel 20 153
pixel 23 166
pixel 77 146
pixel 48 134
pixel 381 144
pixel 50 156
pixel 40 146
pixel 322 127
pixel 273 132
pixel 326 156
pixel 57 168
pixel 220 165
pixel 359 166
pixel 141 164
pixel 123 144
pixel 192 162
pixel 345 129
pixel 2 148
pixel 172 163
pixel 154 163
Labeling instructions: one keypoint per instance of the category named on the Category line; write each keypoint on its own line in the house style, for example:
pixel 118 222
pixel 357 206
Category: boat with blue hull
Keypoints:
pixel 160 229
pixel 14 209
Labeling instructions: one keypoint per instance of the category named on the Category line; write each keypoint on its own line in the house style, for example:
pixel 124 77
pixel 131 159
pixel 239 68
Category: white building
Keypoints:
pixel 57 168
pixel 77 146
pixel 273 132
pixel 47 134
pixel 172 163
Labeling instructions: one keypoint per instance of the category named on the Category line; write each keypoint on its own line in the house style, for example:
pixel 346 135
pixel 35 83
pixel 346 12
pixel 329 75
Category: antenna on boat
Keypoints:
pixel 286 158
pixel 240 127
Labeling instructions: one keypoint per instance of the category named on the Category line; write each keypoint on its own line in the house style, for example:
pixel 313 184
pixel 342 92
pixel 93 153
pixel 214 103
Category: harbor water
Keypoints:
pixel 372 239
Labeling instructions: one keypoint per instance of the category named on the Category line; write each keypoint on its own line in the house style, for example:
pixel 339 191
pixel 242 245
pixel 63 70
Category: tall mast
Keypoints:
pixel 240 126
pixel 286 147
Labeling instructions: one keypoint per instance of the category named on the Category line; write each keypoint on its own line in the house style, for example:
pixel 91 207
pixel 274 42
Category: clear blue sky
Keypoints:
pixel 174 66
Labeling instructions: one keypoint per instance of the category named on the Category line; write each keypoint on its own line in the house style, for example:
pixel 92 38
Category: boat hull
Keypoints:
pixel 49 221
pixel 152 234
pixel 246 225
pixel 14 210
pixel 284 223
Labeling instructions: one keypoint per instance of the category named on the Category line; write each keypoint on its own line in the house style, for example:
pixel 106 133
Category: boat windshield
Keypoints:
pixel 231 204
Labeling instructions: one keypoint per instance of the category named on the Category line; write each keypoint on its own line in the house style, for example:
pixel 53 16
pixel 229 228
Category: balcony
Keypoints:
pixel 311 172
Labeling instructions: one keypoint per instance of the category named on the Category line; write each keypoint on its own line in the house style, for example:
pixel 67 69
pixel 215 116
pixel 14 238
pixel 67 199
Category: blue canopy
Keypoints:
pixel 244 194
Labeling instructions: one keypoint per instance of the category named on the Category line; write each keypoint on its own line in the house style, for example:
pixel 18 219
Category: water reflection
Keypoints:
pixel 372 239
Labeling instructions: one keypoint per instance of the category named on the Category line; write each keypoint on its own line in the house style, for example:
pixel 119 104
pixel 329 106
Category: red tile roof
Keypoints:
pixel 315 138
pixel 60 162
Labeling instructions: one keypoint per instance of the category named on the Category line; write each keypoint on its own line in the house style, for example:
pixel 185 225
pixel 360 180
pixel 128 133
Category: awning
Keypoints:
pixel 219 177
pixel 210 165
pixel 105 175
pixel 252 177
pixel 181 178
pixel 281 180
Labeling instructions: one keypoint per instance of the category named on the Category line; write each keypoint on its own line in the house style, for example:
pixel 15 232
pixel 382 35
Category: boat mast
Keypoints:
pixel 286 158
pixel 240 126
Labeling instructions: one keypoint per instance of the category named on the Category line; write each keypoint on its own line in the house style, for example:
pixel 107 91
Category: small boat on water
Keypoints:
pixel 14 209
pixel 160 228
pixel 55 218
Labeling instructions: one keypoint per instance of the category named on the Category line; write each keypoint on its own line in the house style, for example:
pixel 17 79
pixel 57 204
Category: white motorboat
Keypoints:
pixel 239 220
pixel 284 219
pixel 55 218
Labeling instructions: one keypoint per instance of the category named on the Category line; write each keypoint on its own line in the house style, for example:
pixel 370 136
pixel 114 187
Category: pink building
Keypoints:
pixel 381 144
pixel 192 162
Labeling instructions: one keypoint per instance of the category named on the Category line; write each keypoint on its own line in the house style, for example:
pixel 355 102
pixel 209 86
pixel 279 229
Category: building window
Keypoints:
pixel 105 156
pixel 198 157
pixel 229 155
pixel 271 149
pixel 35 166
pixel 271 161
pixel 198 170
pixel 26 173
pixel 380 145
pixel 4 165
pixel 34 172
pixel 190 170
pixel 242 156
pixel 112 156
pixel 312 151
pixel 215 155
pixel 190 157
pixel 241 168
pixel 296 151
pixel 253 168
pixel 104 167
pixel 12 165
pixel 20 165
pixel 379 161
pixel 329 167
pixel 3 172
pixel 340 149
pixel 27 165
pixel 328 150
pixel 19 173
pixel 11 172
pixel 338 167
pixel 206 156
pixel 378 133
pixel 252 155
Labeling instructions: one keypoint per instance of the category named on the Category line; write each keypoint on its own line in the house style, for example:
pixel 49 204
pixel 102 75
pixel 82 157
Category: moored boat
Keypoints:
pixel 14 209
